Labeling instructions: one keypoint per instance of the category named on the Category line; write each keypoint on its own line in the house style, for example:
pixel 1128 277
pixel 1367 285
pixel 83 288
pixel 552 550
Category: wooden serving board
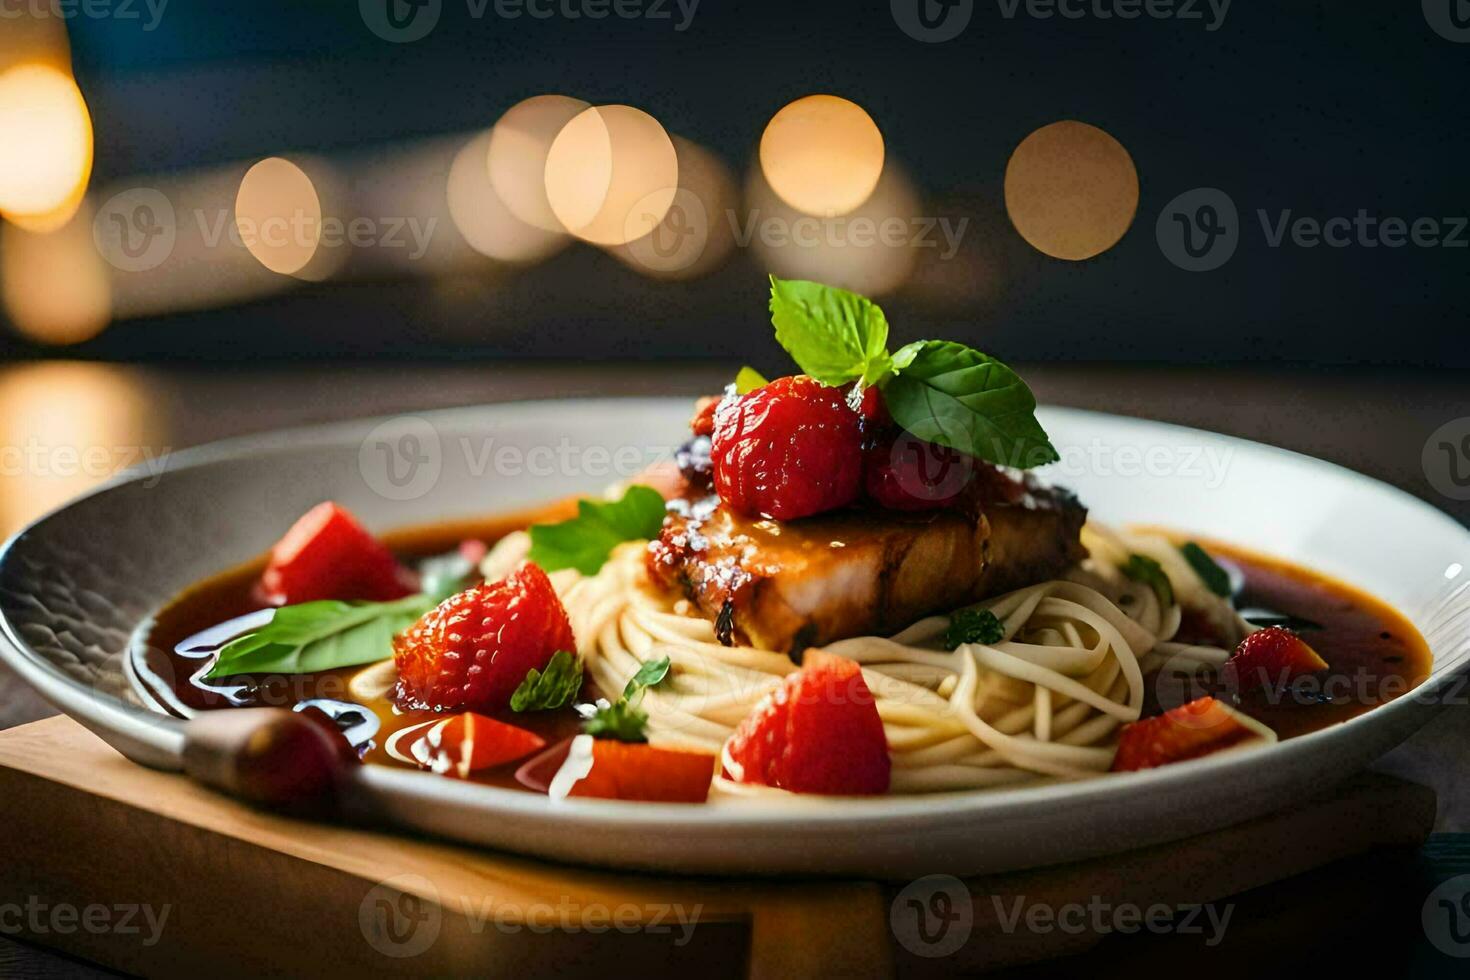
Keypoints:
pixel 250 893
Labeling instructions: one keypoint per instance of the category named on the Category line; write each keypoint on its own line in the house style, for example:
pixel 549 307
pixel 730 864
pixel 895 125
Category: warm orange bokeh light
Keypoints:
pixel 483 218
pixel 1071 190
pixel 55 284
pixel 279 215
pixel 45 144
pixel 822 155
pixel 611 174
pixel 519 144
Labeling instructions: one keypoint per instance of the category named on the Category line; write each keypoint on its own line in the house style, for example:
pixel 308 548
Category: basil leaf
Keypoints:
pixel 833 335
pixel 316 636
pixel 748 380
pixel 1216 579
pixel 585 541
pixel 973 626
pixel 649 675
pixel 1141 568
pixel 557 685
pixel 955 396
pixel 621 721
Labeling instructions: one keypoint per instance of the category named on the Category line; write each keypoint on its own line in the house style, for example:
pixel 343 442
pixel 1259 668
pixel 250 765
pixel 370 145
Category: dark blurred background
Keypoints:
pixel 1316 108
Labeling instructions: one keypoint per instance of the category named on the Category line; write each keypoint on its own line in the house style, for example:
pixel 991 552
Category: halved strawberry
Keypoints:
pixel 470 742
pixel 474 649
pixel 327 554
pixel 1189 731
pixel 819 732
pixel 1272 657
pixel 638 771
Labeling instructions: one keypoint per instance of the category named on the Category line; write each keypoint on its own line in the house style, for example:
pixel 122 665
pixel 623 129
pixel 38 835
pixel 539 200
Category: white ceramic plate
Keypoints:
pixel 75 586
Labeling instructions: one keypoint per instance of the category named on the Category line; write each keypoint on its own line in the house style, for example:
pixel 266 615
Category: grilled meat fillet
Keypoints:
pixel 786 585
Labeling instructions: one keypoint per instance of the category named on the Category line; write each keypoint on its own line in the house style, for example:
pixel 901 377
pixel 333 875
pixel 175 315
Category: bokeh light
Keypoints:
pixel 45 144
pixel 695 236
pixel 67 426
pixel 1071 190
pixel 482 217
pixel 611 174
pixel 279 215
pixel 870 250
pixel 822 155
pixel 519 144
pixel 55 285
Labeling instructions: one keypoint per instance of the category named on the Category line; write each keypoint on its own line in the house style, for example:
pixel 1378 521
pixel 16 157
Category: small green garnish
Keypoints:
pixel 748 380
pixel 586 541
pixel 973 626
pixel 942 392
pixel 624 719
pixel 1141 568
pixel 620 721
pixel 545 690
pixel 1216 579
pixel 651 674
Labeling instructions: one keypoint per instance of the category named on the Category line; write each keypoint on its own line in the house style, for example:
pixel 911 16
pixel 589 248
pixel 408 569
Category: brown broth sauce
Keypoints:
pixel 1374 654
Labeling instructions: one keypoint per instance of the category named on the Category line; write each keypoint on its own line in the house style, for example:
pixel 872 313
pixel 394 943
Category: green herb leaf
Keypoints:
pixel 955 396
pixel 624 720
pixel 621 721
pixel 1216 579
pixel 1141 568
pixel 651 674
pixel 833 335
pixel 315 636
pixel 748 380
pixel 557 685
pixel 585 541
pixel 973 626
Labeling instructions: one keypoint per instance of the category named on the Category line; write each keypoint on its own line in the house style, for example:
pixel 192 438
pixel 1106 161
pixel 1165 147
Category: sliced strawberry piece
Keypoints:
pixel 638 771
pixel 327 554
pixel 1272 657
pixel 474 649
pixel 1189 731
pixel 470 742
pixel 819 732
pixel 904 472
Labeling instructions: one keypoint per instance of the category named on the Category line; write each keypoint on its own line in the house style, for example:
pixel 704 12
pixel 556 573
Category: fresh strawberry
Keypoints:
pixel 474 649
pixel 1272 657
pixel 873 408
pixel 819 732
pixel 638 771
pixel 789 449
pixel 1189 731
pixel 327 554
pixel 470 742
pixel 904 472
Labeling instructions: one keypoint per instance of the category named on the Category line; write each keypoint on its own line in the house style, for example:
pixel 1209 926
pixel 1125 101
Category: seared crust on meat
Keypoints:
pixel 786 585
